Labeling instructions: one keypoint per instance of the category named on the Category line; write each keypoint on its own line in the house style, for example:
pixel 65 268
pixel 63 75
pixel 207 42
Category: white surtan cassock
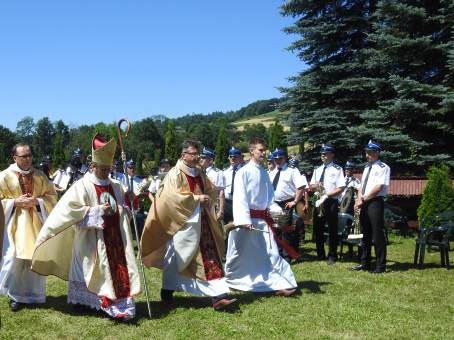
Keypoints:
pixel 21 229
pixel 90 250
pixel 181 237
pixel 253 262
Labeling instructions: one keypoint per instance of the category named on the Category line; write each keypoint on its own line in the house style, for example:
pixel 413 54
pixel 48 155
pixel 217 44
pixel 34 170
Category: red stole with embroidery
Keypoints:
pixel 211 261
pixel 115 248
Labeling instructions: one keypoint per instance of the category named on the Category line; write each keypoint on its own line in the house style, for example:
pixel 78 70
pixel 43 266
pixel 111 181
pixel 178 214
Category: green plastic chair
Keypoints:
pixel 437 237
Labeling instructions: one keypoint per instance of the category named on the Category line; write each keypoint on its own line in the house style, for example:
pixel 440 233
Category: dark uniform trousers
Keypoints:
pixel 331 209
pixel 293 238
pixel 373 228
pixel 228 211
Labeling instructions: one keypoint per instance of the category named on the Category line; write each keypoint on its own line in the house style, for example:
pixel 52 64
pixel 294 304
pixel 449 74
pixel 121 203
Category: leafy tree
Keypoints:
pixel 438 195
pixel 58 156
pixel 139 164
pixel 143 139
pixel 254 130
pixel 222 149
pixel 7 140
pixel 43 138
pixel 25 129
pixel 170 150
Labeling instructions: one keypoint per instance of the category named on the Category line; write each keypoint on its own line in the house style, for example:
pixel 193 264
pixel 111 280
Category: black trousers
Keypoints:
pixel 293 238
pixel 228 211
pixel 331 209
pixel 373 229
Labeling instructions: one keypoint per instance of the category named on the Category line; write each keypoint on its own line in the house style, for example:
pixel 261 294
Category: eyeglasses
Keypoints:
pixel 191 153
pixel 24 156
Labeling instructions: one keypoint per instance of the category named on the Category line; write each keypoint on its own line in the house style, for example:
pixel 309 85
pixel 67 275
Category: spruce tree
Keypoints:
pixel 328 97
pixel 222 149
pixel 276 136
pixel 411 117
pixel 170 149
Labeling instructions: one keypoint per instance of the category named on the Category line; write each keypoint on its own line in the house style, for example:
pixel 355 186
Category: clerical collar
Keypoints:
pixel 193 172
pixel 95 180
pixel 14 167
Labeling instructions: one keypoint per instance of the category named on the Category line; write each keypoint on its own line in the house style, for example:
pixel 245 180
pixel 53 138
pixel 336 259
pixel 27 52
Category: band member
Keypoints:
pixel 328 181
pixel 270 163
pixel 293 163
pixel 289 188
pixel 374 188
pixel 87 241
pixel 349 194
pixel 117 172
pixel 133 191
pixel 236 162
pixel 181 235
pixel 27 198
pixel 216 177
pixel 75 170
pixel 164 168
pixel 45 166
pixel 253 262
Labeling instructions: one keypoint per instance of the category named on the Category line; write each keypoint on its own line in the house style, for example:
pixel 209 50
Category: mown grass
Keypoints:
pixel 334 303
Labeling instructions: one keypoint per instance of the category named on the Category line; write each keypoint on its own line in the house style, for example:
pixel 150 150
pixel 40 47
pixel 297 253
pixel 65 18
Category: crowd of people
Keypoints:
pixel 210 231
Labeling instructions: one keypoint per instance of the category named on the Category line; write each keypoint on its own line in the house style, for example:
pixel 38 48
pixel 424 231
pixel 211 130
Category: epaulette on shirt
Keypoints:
pixel 337 166
pixel 382 165
pixel 216 169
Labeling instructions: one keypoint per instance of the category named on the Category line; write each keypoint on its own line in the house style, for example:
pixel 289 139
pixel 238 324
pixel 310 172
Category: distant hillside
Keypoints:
pixel 265 107
pixel 267 119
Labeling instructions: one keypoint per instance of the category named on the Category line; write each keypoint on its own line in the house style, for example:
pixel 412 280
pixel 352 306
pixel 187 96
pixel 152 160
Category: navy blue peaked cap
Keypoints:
pixel 327 148
pixel 233 151
pixel 208 153
pixel 373 146
pixel 279 153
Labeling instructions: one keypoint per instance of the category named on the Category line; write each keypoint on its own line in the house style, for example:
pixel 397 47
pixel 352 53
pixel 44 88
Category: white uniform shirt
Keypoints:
pixel 253 190
pixel 136 184
pixel 216 177
pixel 290 179
pixel 379 174
pixel 228 180
pixel 333 179
pixel 350 182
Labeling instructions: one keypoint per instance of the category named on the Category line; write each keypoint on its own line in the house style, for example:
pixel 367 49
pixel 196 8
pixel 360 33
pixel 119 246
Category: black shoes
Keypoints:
pixel 379 270
pixel 14 305
pixel 166 295
pixel 361 267
pixel 331 260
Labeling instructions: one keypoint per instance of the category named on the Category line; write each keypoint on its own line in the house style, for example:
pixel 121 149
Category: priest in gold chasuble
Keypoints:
pixel 181 235
pixel 27 198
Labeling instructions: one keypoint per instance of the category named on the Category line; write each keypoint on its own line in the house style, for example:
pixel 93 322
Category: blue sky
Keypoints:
pixel 100 60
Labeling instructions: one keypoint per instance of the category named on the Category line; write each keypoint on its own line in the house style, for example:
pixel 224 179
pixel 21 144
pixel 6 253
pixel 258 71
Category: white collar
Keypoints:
pixel 14 167
pixel 95 180
pixel 328 165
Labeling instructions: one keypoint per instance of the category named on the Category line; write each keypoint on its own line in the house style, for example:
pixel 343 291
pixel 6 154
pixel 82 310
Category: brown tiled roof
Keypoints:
pixel 406 186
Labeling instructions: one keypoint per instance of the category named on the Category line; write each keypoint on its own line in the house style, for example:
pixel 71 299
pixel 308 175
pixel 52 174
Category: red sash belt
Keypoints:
pixel 265 215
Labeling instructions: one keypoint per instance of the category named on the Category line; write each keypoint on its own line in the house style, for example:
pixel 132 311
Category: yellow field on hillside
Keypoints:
pixel 266 119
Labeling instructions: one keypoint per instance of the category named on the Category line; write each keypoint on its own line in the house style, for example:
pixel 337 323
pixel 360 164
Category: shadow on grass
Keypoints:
pixel 313 287
pixel 405 266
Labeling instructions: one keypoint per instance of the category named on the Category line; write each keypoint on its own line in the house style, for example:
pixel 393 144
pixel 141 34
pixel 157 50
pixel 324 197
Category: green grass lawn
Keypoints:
pixel 334 303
